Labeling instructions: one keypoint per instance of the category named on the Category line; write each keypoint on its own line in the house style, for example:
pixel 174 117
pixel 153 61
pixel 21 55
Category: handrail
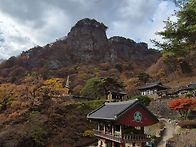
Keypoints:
pixel 136 137
pixel 124 138
pixel 116 138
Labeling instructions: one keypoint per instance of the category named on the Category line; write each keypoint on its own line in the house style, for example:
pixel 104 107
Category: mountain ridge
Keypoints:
pixel 87 41
pixel 84 53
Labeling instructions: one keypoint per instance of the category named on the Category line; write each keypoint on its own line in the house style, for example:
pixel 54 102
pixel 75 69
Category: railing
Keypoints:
pixel 108 136
pixel 136 138
pixel 125 138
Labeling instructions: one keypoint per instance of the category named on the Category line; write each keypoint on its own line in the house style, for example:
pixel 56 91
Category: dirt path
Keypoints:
pixel 169 132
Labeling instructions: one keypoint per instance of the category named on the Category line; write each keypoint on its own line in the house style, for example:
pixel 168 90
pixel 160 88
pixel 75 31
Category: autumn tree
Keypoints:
pixel 182 105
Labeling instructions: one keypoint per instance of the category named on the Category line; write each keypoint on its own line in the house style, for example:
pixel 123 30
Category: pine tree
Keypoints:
pixel 180 36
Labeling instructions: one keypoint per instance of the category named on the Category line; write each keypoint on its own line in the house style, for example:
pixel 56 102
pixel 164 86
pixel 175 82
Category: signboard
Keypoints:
pixel 137 116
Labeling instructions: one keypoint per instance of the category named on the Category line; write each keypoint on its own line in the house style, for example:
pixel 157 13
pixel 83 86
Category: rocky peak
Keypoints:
pixel 87 43
pixel 87 40
pixel 87 22
pixel 121 40
pixel 126 49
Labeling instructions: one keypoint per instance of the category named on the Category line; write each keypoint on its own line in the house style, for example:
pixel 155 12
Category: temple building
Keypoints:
pixel 121 124
pixel 115 96
pixel 188 89
pixel 153 90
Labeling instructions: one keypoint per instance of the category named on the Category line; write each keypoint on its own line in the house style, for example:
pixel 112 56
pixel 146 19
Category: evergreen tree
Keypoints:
pixel 98 87
pixel 180 36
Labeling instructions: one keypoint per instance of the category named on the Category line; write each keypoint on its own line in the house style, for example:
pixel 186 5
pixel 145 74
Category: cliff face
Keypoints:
pixel 86 43
pixel 126 50
pixel 87 40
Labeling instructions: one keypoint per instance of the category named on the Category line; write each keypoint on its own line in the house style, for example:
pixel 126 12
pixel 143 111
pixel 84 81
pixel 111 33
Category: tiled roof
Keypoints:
pixel 150 85
pixel 111 111
pixel 118 92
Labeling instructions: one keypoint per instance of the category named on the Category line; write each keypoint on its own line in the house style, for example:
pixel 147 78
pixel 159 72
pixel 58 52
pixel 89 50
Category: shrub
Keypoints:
pixel 189 95
pixel 119 67
pixel 185 67
pixel 90 104
pixel 34 115
pixel 88 133
pixel 39 136
pixel 187 124
pixel 142 99
pixel 182 105
pixel 5 102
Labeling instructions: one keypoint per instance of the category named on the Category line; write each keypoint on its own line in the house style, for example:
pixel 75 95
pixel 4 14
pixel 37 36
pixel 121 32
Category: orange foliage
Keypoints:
pixel 182 103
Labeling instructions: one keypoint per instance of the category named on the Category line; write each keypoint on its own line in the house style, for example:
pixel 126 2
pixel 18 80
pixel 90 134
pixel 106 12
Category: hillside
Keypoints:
pixel 85 52
pixel 51 123
pixel 33 111
pixel 33 108
pixel 175 71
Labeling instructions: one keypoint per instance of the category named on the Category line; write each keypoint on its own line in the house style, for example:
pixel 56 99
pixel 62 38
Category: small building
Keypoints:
pixel 182 91
pixel 190 88
pixel 114 96
pixel 153 90
pixel 192 85
pixel 121 124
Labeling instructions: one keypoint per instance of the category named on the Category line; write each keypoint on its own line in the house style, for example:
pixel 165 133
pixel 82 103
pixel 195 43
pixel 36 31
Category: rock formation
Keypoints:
pixel 86 43
pixel 87 40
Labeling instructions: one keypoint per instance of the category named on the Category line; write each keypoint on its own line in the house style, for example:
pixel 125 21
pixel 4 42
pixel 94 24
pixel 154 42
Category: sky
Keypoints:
pixel 27 23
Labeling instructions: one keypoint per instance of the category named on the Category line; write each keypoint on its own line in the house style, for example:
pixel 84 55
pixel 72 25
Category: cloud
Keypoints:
pixel 137 9
pixel 12 40
pixel 142 22
pixel 43 21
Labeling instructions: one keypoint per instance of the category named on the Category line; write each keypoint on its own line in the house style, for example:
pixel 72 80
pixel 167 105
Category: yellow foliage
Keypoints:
pixel 55 86
pixel 88 133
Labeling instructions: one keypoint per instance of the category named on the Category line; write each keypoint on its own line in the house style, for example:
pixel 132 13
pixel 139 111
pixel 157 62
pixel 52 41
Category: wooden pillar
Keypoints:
pixel 105 143
pixel 120 130
pixel 113 144
pixel 98 127
pixel 143 144
pixel 104 130
pixel 142 129
pixel 121 145
pixel 113 130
